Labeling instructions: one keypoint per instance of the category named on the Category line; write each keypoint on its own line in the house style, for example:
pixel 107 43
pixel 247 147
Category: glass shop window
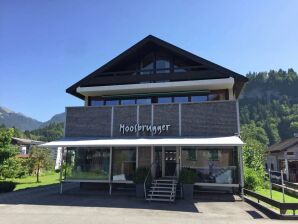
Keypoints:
pixel 124 164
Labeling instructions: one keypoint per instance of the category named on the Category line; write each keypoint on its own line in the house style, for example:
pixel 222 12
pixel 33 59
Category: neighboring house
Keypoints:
pixel 284 156
pixel 156 106
pixel 25 146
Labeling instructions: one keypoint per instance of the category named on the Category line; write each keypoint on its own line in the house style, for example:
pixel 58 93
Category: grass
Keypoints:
pixel 277 196
pixel 88 175
pixel 30 181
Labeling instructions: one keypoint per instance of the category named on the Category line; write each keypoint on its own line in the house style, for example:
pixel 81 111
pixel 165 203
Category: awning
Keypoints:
pixel 219 141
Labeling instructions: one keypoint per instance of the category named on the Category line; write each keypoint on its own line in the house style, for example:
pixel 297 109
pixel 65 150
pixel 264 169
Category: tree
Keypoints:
pixel 9 164
pixel 256 142
pixel 40 159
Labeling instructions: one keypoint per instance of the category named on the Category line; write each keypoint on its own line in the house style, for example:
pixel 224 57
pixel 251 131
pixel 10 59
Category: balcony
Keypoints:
pixel 203 119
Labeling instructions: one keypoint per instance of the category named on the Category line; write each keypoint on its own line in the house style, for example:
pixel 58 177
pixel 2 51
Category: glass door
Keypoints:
pixel 170 161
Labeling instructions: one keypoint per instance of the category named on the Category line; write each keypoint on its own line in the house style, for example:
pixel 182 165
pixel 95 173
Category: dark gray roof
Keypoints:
pixel 284 145
pixel 26 141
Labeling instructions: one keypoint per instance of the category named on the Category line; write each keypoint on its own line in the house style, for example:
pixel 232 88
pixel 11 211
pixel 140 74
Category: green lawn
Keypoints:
pixel 277 196
pixel 30 181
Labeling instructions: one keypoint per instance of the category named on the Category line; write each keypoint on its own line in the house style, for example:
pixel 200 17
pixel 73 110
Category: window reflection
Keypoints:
pixel 87 163
pixel 147 64
pixel 124 163
pixel 128 102
pixel 111 102
pixel 181 99
pixel 164 99
pixel 198 98
pixel 96 103
pixel 211 165
pixel 144 101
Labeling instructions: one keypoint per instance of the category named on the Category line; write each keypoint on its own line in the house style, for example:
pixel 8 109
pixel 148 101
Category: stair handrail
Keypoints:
pixel 176 170
pixel 147 176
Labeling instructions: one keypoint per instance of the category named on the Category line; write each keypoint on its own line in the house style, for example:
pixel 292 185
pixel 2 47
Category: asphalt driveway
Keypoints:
pixel 44 205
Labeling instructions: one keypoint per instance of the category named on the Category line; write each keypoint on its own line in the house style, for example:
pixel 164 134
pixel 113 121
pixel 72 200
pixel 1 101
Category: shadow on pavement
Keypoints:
pixel 72 196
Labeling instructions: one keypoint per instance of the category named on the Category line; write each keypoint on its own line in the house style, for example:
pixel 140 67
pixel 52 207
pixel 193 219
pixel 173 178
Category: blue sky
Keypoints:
pixel 46 46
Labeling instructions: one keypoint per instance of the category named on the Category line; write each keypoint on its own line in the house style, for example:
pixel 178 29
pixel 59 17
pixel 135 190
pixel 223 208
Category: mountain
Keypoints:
pixel 12 119
pixel 58 118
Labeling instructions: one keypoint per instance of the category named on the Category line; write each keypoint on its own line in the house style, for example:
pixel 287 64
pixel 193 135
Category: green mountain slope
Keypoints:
pixel 270 100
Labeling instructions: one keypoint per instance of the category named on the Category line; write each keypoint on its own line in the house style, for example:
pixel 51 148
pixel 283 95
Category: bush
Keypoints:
pixel 7 186
pixel 254 179
pixel 140 175
pixel 187 176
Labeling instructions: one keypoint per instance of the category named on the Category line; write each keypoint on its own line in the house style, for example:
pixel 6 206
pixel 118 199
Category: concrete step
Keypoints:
pixel 160 199
pixel 165 180
pixel 161 187
pixel 161 195
pixel 164 184
pixel 161 191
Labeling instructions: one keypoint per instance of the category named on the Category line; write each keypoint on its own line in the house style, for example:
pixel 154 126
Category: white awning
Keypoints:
pixel 219 141
pixel 210 84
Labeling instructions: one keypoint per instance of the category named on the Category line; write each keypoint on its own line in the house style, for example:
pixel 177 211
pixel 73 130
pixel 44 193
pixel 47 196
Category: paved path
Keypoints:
pixel 45 206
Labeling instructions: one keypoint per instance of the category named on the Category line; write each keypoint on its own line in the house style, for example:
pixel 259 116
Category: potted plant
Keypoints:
pixel 187 178
pixel 139 179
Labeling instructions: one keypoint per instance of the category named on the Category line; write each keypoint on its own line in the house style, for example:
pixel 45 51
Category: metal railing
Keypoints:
pixel 146 179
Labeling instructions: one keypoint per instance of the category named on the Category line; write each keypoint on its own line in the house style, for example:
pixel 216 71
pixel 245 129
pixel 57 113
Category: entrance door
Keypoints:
pixel 170 161
pixel 165 161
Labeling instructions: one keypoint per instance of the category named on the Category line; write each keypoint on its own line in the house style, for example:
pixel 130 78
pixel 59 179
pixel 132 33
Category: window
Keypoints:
pixel 213 155
pixel 181 99
pixel 95 101
pixel 147 64
pixel 124 163
pixel 217 95
pixel 144 101
pixel 128 102
pixel 111 102
pixel 191 155
pixel 163 64
pixel 198 98
pixel 164 100
pixel 87 163
pixel 212 165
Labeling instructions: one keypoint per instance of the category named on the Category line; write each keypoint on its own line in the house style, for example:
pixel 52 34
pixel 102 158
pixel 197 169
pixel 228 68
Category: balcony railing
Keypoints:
pixel 151 75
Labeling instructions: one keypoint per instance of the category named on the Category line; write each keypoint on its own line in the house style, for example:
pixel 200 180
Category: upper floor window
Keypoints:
pixel 201 98
pixel 128 102
pixel 111 102
pixel 164 100
pixel 163 63
pixel 144 101
pixel 147 64
pixel 181 99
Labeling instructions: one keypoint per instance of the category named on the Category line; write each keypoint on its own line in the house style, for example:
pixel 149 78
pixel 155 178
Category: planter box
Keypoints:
pixel 140 191
pixel 188 191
